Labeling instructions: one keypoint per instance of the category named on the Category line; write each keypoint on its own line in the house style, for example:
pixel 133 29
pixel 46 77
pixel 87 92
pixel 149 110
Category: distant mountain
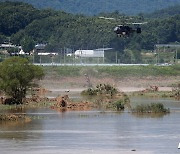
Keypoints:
pixel 164 13
pixel 93 7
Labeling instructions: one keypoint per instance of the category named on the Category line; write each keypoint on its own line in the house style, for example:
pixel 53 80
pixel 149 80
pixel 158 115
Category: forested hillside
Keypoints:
pixel 164 13
pixel 92 7
pixel 23 23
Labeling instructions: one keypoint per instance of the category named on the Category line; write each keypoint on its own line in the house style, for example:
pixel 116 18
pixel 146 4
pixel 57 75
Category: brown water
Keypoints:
pixel 94 132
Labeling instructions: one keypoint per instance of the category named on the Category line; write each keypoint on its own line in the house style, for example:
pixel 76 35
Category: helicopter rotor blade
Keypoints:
pixel 124 20
pixel 140 23
pixel 107 18
pixel 116 19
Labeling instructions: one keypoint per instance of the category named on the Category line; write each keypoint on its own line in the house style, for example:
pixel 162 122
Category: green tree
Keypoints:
pixel 2 38
pixel 17 75
pixel 27 44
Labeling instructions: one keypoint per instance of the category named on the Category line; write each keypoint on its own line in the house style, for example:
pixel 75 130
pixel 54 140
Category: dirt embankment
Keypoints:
pixel 63 103
pixel 123 84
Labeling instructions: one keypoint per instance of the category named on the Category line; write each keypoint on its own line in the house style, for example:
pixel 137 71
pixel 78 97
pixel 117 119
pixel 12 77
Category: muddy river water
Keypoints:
pixel 94 132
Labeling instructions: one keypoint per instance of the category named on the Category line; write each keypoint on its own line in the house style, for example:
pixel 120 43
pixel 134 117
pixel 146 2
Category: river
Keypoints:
pixel 94 132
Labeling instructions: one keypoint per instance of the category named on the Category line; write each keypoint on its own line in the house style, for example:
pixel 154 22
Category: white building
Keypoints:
pixel 84 53
pixel 47 53
pixel 7 46
pixel 96 53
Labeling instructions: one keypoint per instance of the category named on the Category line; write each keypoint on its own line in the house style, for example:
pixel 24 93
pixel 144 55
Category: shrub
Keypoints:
pixel 119 105
pixel 176 90
pixel 152 108
pixel 100 90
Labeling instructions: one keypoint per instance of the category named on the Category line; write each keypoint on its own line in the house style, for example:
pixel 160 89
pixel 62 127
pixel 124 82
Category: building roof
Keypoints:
pixel 40 46
pixel 100 49
pixel 89 53
pixel 7 46
pixel 168 45
pixel 47 53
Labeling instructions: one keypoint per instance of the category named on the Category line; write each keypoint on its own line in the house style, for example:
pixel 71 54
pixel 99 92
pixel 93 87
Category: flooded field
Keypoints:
pixel 97 132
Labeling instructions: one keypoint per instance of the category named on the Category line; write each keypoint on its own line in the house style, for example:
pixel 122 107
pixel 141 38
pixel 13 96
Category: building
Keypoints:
pixel 96 53
pixel 47 54
pixel 84 53
pixel 39 48
pixel 6 46
pixel 16 50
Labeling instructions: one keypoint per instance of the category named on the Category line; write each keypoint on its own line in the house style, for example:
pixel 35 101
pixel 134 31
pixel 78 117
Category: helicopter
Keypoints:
pixel 125 30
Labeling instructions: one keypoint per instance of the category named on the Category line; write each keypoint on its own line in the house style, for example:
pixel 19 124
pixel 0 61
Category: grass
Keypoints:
pixel 31 105
pixel 12 117
pixel 153 94
pixel 116 71
pixel 7 107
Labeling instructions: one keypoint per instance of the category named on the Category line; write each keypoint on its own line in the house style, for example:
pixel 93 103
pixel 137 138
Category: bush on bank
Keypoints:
pixel 101 89
pixel 151 108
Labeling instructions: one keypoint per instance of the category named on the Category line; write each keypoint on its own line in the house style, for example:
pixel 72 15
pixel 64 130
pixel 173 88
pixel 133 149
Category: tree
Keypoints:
pixel 27 44
pixel 15 16
pixel 17 75
pixel 2 38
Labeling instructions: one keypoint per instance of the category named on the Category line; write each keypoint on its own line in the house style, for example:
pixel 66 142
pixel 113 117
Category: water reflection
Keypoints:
pixel 16 130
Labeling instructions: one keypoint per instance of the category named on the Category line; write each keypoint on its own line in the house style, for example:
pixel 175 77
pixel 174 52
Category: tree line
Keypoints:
pixel 94 7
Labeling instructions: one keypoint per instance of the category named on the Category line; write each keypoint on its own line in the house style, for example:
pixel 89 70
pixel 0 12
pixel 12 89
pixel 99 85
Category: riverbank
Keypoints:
pixel 119 76
pixel 130 84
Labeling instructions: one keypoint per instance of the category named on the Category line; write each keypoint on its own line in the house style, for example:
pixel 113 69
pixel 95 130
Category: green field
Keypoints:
pixel 115 71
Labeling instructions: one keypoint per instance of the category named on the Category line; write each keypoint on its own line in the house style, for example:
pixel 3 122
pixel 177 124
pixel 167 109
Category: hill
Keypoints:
pixel 164 13
pixel 94 7
pixel 24 24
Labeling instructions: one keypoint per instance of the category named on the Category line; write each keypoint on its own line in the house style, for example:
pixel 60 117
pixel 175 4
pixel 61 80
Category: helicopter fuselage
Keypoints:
pixel 124 30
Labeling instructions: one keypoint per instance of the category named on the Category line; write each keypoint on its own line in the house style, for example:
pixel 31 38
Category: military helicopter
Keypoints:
pixel 125 30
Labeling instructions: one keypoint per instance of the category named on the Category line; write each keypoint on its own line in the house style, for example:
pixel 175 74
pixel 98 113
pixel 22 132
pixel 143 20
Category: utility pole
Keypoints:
pixel 64 56
pixel 33 56
pixel 40 59
pixel 158 56
pixel 116 58
pixel 103 54
pixel 176 56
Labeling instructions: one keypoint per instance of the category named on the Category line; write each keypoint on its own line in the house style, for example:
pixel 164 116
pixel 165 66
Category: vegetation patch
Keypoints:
pixel 13 117
pixel 153 91
pixel 176 91
pixel 119 104
pixel 114 71
pixel 101 89
pixel 106 97
pixel 17 75
pixel 151 108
